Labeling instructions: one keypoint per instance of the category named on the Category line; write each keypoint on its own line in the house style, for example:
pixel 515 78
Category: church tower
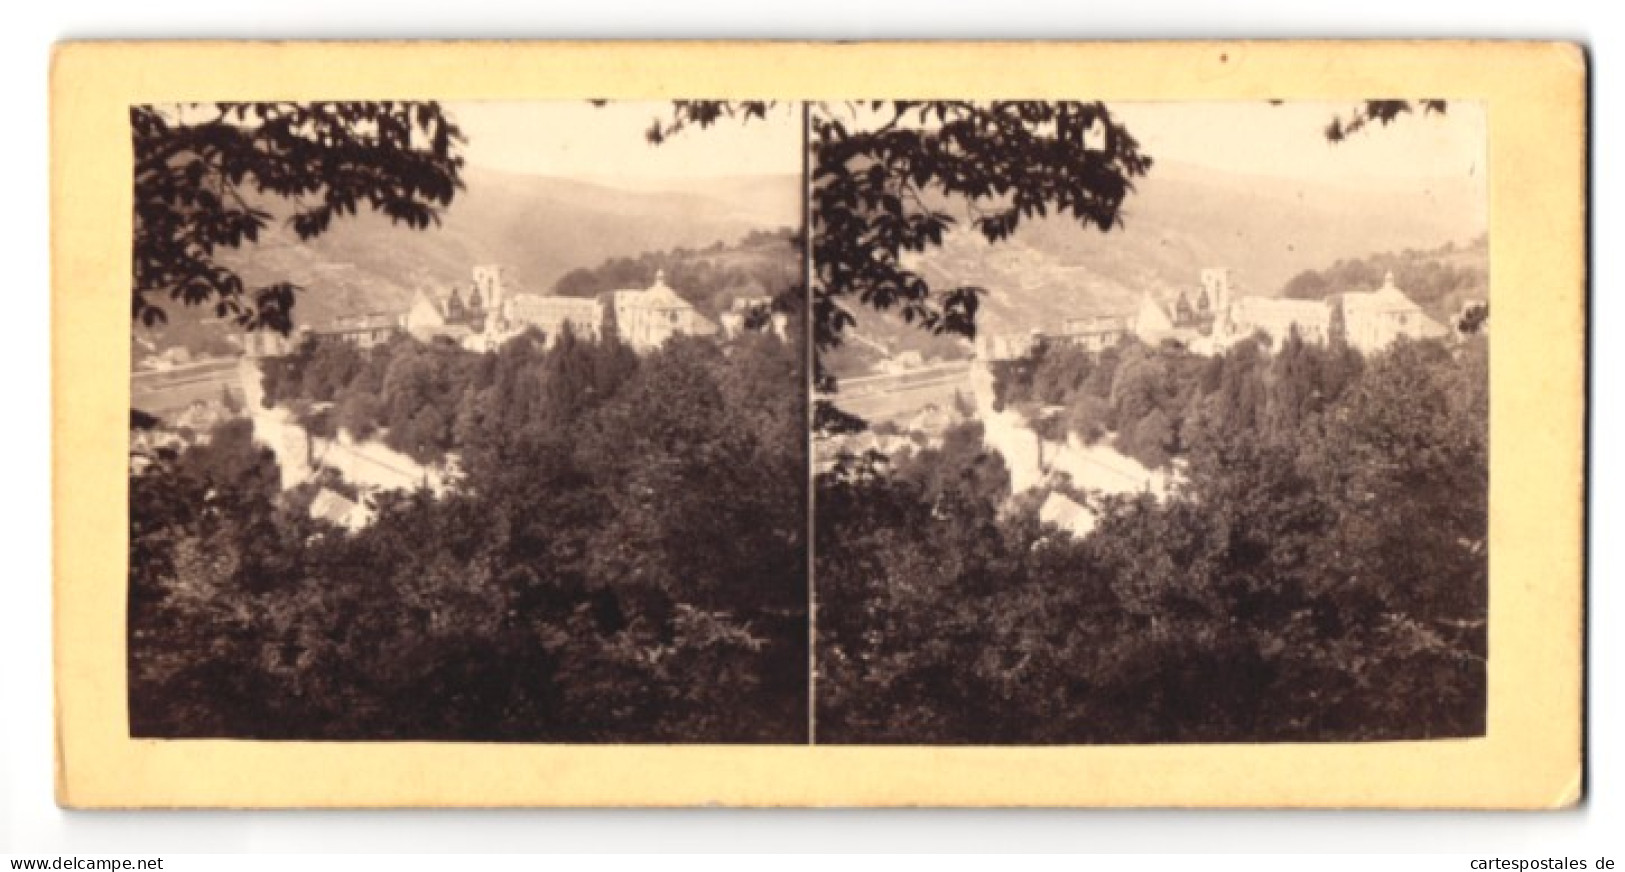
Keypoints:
pixel 1216 288
pixel 488 282
pixel 456 312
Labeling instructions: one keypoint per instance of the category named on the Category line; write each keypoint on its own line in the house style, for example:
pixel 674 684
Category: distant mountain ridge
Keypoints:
pixel 1179 220
pixel 539 227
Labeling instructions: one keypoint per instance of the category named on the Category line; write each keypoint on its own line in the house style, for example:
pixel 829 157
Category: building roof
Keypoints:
pixel 528 304
pixel 333 507
pixel 360 323
pixel 657 296
pixel 1066 513
pixel 1387 298
pixel 1299 310
pixel 1094 324
pixel 750 298
pixel 1151 316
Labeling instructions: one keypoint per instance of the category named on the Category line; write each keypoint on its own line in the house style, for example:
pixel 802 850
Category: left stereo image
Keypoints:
pixel 479 422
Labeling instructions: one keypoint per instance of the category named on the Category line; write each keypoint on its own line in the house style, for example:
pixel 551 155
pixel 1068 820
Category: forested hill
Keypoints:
pixel 1439 280
pixel 762 263
pixel 538 227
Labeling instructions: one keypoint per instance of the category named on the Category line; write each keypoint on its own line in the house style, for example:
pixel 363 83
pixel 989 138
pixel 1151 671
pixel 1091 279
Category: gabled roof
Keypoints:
pixel 1066 513
pixel 333 507
pixel 359 323
pixel 536 302
pixel 661 297
pixel 1388 298
pixel 657 296
pixel 1151 315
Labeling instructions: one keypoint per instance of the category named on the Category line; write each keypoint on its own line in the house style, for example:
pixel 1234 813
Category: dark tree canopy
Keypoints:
pixel 207 177
pixel 878 192
pixel 1318 573
pixel 623 558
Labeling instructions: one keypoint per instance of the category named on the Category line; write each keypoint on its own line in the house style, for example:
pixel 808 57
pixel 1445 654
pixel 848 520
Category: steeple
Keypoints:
pixel 455 312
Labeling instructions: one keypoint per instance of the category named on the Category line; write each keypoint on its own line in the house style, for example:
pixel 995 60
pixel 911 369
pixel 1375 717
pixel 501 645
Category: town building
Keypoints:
pixel 491 287
pixel 339 510
pixel 269 343
pixel 552 315
pixel 362 331
pixel 1067 514
pixel 1274 319
pixel 1214 295
pixel 1189 319
pixel 481 316
pixel 1368 321
pixel 1091 332
pixel 1375 320
pixel 753 311
pixel 462 313
pixel 645 319
pixel 747 303
pixel 1005 346
pixel 901 362
pixel 449 316
pixel 1210 318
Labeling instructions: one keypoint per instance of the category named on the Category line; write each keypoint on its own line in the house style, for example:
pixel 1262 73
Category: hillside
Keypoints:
pixel 1439 280
pixel 761 264
pixel 538 227
pixel 1181 219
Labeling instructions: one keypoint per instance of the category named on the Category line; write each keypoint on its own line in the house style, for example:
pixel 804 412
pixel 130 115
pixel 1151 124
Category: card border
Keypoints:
pixel 1530 758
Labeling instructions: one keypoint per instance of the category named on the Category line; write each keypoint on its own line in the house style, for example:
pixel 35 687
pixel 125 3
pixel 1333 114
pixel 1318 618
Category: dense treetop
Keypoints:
pixel 762 264
pixel 1320 574
pixel 1439 280
pixel 211 177
pixel 623 558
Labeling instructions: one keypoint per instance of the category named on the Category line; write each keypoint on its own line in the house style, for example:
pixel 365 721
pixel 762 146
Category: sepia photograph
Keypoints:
pixel 1115 424
pixel 477 421
pixel 1150 422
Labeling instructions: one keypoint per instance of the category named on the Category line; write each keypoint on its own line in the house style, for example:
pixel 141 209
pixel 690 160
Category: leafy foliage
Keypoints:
pixel 884 175
pixel 1320 575
pixel 1383 112
pixel 762 264
pixel 208 176
pixel 874 185
pixel 623 559
pixel 1440 280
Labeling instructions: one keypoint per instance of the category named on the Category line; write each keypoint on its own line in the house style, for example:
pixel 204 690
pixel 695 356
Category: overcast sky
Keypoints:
pixel 1288 140
pixel 579 140
pixel 576 139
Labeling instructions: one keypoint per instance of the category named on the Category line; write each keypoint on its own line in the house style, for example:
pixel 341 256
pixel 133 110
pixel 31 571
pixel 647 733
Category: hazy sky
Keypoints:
pixel 576 139
pixel 1289 140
